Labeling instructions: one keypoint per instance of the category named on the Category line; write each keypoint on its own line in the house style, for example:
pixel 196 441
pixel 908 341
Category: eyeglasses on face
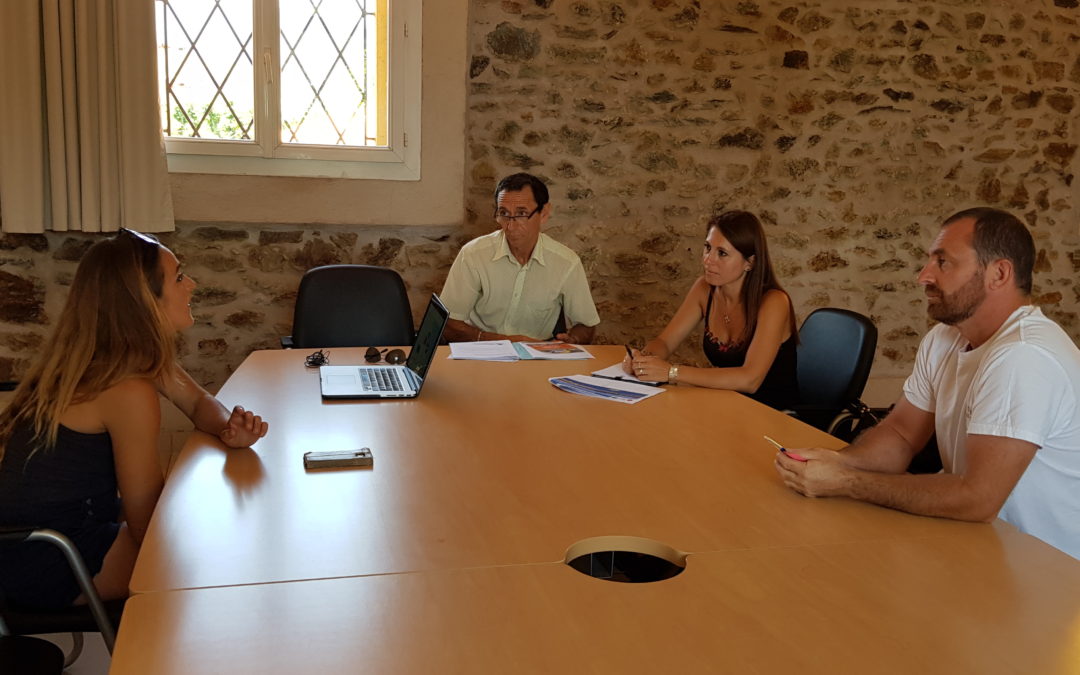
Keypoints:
pixel 504 217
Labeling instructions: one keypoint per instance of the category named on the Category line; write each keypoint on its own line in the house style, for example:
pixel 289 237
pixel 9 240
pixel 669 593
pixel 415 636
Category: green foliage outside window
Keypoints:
pixel 219 125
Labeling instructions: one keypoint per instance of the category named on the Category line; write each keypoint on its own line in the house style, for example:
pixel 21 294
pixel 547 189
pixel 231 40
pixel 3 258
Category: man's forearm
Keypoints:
pixel 881 448
pixel 459 331
pixel 581 334
pixel 943 495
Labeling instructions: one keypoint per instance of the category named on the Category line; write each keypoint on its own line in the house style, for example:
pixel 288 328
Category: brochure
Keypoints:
pixel 561 351
pixel 611 390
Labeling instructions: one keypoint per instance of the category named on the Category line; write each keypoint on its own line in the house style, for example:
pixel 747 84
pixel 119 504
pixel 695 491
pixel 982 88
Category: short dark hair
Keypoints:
pixel 520 181
pixel 1000 235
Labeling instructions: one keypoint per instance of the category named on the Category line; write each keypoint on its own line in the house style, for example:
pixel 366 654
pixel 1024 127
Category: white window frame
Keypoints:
pixel 268 156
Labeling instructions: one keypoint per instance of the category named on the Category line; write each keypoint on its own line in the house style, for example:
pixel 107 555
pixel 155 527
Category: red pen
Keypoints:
pixel 798 458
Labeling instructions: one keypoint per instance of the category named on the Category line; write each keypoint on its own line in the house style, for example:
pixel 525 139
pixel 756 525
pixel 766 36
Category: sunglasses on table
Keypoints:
pixel 393 357
pixel 372 355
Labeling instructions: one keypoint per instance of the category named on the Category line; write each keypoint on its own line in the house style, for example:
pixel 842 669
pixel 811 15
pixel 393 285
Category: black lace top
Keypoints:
pixel 780 388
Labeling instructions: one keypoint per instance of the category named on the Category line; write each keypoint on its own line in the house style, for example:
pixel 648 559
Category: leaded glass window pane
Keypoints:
pixel 205 63
pixel 331 68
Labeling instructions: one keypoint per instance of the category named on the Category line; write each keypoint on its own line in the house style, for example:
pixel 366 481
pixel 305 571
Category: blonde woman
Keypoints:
pixel 750 332
pixel 80 433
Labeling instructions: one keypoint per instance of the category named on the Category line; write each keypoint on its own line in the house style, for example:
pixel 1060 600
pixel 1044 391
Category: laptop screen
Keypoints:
pixel 427 338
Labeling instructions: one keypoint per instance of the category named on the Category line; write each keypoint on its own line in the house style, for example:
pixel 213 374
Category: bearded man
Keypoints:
pixel 996 379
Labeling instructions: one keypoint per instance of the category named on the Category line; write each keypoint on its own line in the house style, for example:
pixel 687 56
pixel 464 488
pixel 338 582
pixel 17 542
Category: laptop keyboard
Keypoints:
pixel 380 379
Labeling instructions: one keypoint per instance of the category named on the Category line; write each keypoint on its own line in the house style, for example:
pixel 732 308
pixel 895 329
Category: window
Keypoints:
pixel 291 87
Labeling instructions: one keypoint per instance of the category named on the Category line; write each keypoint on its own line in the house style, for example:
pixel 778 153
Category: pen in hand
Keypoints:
pixel 798 458
pixel 630 355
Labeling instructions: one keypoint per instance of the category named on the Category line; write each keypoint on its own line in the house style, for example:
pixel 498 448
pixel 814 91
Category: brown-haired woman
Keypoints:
pixel 82 427
pixel 750 332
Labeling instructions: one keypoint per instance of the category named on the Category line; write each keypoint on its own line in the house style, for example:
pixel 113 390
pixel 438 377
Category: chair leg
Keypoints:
pixel 76 649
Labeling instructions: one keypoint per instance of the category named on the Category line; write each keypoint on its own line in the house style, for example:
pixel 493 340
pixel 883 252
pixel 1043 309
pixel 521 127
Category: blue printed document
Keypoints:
pixel 611 390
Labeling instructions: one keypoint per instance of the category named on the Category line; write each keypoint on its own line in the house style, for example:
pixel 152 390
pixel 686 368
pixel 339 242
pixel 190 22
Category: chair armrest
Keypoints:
pixel 11 536
pixel 856 407
pixel 286 342
pixel 14 533
pixel 800 410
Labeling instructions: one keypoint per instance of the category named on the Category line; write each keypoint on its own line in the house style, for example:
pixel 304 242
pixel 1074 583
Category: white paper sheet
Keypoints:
pixel 489 350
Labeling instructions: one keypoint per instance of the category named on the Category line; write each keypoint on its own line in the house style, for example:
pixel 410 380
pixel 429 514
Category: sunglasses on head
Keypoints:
pixel 145 238
pixel 393 357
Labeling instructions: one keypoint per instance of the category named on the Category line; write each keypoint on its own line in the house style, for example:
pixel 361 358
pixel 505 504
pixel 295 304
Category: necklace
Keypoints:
pixel 724 313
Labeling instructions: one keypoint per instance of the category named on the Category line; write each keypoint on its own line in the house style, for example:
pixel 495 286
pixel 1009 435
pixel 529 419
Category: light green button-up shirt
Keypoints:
pixel 488 288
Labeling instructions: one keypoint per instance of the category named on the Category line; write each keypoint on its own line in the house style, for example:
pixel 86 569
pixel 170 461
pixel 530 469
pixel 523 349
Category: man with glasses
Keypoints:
pixel 513 284
pixel 997 380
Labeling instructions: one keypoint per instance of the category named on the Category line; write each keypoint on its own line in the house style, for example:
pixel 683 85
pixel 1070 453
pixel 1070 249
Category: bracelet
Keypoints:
pixel 673 375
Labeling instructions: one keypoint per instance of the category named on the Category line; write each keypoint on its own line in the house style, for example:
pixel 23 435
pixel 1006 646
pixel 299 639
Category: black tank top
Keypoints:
pixel 780 388
pixel 60 487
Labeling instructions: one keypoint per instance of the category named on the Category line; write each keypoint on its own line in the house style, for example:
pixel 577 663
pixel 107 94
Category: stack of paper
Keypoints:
pixel 616 372
pixel 611 390
pixel 490 350
pixel 551 350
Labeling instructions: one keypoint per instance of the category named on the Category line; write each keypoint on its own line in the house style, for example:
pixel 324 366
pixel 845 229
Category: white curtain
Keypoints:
pixel 80 133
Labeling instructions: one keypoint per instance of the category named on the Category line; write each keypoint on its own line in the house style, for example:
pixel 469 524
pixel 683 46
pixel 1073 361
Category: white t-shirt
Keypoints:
pixel 1022 383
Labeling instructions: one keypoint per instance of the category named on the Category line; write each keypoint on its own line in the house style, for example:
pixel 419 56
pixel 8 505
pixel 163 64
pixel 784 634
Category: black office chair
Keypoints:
pixel 17 622
pixel 836 350
pixel 351 306
pixel 29 655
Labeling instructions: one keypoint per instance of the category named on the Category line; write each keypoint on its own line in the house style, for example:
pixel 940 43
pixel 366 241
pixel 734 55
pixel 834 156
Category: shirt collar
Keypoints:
pixel 503 249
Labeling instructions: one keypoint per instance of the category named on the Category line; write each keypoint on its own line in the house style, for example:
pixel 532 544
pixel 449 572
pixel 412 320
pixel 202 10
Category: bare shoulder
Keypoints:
pixel 699 291
pixel 131 396
pixel 776 310
pixel 777 297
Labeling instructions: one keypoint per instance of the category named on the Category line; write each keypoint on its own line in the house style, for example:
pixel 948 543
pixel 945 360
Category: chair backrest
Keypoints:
pixel 836 350
pixel 352 306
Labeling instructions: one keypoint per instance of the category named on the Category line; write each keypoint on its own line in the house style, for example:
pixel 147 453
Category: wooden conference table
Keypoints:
pixel 447 555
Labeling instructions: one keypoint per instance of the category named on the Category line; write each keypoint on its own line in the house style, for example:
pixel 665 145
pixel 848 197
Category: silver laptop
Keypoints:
pixel 390 381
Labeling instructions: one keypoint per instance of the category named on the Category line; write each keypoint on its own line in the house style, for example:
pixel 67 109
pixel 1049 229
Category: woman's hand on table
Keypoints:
pixel 243 428
pixel 647 368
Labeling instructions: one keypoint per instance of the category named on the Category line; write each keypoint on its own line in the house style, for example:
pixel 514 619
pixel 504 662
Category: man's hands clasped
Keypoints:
pixel 823 474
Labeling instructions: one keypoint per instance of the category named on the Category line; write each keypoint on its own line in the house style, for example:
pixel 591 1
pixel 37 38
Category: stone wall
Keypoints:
pixel 852 128
pixel 247 278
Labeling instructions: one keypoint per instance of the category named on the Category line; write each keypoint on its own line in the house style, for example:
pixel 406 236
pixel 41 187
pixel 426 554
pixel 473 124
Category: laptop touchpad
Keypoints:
pixel 341 380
